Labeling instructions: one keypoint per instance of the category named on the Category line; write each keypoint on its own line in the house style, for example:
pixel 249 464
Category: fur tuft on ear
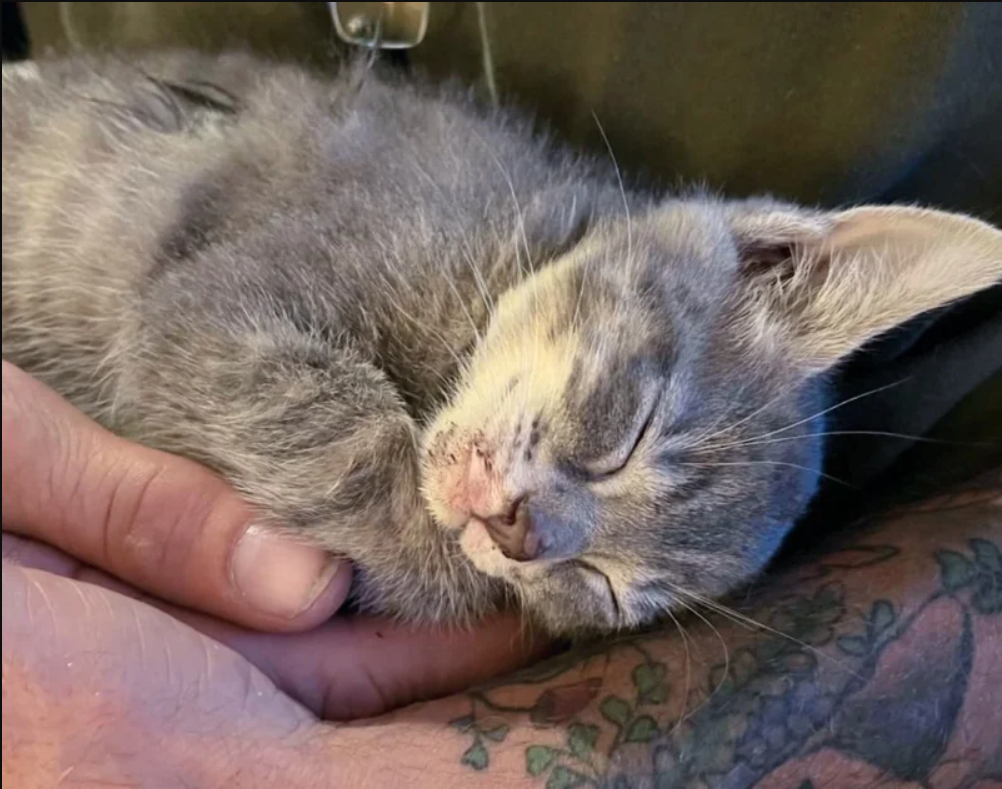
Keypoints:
pixel 830 282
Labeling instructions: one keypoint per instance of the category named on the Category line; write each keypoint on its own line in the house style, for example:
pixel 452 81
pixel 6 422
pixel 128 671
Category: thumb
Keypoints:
pixel 163 524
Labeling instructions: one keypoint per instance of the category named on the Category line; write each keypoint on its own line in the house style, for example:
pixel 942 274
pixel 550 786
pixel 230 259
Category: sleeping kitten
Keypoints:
pixel 421 335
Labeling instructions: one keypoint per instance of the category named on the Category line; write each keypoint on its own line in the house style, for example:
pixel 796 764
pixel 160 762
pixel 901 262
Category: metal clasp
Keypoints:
pixel 381 25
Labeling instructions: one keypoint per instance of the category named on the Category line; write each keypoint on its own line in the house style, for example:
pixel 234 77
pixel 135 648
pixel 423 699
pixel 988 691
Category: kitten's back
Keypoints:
pixel 95 159
pixel 360 200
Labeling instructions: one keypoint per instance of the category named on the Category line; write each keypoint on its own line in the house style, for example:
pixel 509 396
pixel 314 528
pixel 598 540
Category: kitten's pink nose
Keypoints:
pixel 513 532
pixel 508 520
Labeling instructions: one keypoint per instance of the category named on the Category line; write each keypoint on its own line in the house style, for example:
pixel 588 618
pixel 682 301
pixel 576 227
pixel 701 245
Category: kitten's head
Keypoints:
pixel 639 428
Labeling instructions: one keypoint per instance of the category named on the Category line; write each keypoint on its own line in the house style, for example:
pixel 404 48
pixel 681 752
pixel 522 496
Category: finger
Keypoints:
pixel 32 555
pixel 361 667
pixel 348 669
pixel 163 524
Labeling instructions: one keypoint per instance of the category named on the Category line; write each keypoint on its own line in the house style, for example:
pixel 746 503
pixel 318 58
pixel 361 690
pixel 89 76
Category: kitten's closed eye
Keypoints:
pixel 609 467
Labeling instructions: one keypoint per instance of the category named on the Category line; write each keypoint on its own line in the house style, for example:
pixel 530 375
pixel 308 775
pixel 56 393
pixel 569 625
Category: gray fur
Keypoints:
pixel 307 285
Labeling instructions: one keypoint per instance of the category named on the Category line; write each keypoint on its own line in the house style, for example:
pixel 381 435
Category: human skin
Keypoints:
pixel 880 665
pixel 168 529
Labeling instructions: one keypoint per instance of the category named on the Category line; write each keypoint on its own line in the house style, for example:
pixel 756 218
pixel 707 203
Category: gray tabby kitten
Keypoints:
pixel 415 332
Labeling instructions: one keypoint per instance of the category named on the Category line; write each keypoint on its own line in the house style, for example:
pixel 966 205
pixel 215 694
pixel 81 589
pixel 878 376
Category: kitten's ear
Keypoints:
pixel 831 282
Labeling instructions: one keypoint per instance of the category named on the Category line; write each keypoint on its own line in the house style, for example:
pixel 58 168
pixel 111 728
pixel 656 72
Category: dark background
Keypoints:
pixel 15 40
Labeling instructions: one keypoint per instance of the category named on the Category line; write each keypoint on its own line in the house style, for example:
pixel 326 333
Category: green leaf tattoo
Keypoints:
pixel 643 729
pixel 476 757
pixel 882 616
pixel 564 778
pixel 651 681
pixel 856 646
pixel 957 570
pixel 463 724
pixel 987 555
pixel 988 602
pixel 763 705
pixel 982 574
pixel 581 741
pixel 616 710
pixel 539 759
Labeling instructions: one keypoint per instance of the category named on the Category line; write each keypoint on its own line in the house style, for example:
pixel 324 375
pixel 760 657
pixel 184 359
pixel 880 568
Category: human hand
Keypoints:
pixel 103 689
pixel 100 511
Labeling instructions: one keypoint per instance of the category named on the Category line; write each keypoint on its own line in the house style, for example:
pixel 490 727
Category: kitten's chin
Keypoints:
pixel 488 558
pixel 482 551
pixel 592 608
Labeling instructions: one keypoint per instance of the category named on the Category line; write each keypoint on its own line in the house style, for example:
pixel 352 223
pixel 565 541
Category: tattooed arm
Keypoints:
pixel 876 664
pixel 879 663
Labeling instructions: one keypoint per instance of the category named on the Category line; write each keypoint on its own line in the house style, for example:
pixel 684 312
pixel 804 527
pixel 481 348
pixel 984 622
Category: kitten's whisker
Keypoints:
pixel 464 242
pixel 576 321
pixel 752 624
pixel 705 441
pixel 688 668
pixel 622 188
pixel 842 404
pixel 461 364
pixel 514 197
pixel 423 325
pixel 480 281
pixel 771 401
pixel 723 464
pixel 520 216
pixel 727 663
pixel 874 433
pixel 466 311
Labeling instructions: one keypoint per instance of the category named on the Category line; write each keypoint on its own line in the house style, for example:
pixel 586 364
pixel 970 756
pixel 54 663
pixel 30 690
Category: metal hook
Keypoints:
pixel 381 25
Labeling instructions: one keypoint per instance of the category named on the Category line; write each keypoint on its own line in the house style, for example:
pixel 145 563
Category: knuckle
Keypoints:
pixel 144 524
pixel 42 456
pixel 13 409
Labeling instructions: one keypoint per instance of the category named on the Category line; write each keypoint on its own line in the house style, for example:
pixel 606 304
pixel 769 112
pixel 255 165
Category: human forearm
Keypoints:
pixel 881 659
